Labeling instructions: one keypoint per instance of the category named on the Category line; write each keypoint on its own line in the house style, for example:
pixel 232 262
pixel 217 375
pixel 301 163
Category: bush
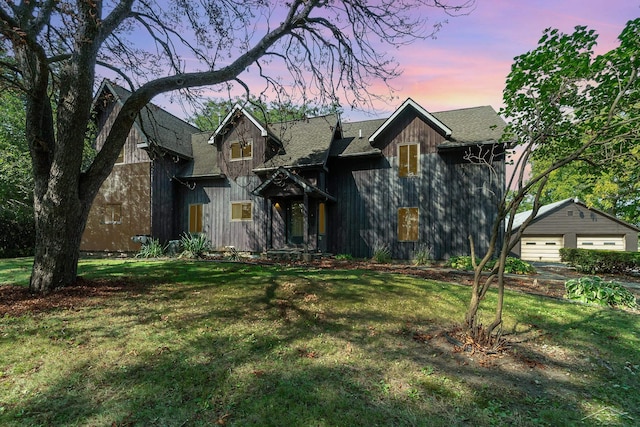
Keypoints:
pixel 151 249
pixel 422 256
pixel 594 290
pixel 512 265
pixel 344 257
pixel 594 261
pixel 382 254
pixel 194 245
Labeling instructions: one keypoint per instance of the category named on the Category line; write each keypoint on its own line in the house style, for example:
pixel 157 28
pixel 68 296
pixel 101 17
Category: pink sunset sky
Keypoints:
pixel 467 63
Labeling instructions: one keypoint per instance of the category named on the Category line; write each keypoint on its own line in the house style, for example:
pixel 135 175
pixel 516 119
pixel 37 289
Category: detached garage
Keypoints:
pixel 571 224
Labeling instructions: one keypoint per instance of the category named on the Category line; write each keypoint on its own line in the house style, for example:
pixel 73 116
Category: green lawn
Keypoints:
pixel 207 343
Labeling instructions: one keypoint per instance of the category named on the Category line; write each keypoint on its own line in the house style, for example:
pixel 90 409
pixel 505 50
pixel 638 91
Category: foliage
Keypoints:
pixel 196 343
pixel 53 53
pixel 381 254
pixel 595 290
pixel 17 231
pixel 151 249
pixel 512 265
pixel 600 261
pixel 194 245
pixel 564 105
pixel 344 257
pixel 423 256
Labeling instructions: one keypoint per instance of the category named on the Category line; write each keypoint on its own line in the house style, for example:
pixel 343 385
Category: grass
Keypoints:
pixel 212 343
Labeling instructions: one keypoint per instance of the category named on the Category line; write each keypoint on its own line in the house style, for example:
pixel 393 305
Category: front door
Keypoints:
pixel 295 223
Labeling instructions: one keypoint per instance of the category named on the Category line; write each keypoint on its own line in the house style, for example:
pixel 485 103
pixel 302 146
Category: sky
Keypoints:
pixel 467 63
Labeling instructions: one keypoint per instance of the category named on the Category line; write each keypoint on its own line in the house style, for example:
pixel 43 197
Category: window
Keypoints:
pixel 112 214
pixel 569 213
pixel 241 211
pixel 120 158
pixel 408 219
pixel 242 150
pixel 322 224
pixel 408 155
pixel 195 218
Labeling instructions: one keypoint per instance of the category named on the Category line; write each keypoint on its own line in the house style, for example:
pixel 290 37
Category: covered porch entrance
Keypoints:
pixel 296 220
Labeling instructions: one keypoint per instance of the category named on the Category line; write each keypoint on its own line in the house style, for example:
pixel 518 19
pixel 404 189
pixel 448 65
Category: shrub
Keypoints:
pixel 422 256
pixel 194 245
pixel 593 261
pixel 382 254
pixel 512 265
pixel 594 290
pixel 344 257
pixel 151 249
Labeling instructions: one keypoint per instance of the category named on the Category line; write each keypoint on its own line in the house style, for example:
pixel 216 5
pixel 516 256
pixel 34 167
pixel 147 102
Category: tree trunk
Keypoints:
pixel 59 229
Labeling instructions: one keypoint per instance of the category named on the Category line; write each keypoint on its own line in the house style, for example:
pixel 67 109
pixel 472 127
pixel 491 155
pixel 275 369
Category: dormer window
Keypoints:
pixel 242 150
pixel 408 155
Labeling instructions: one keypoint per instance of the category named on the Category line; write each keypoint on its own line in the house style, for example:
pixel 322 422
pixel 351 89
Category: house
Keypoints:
pixel 570 223
pixel 406 183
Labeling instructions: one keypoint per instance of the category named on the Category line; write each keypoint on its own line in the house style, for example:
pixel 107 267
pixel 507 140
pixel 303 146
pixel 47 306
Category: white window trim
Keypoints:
pixel 240 202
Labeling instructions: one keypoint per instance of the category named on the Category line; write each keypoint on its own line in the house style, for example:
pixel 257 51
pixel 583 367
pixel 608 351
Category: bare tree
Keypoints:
pixel 324 49
pixel 563 104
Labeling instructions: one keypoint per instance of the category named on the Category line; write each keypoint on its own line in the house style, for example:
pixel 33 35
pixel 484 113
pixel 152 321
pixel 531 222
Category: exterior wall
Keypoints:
pixel 243 130
pixel 581 221
pixel 128 187
pixel 453 197
pixel 164 202
pixel 216 197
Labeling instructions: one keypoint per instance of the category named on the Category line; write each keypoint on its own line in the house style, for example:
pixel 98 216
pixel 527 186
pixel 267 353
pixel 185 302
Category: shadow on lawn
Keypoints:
pixel 276 369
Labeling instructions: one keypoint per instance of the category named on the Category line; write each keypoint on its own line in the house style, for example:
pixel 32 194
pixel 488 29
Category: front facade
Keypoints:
pixel 319 185
pixel 570 223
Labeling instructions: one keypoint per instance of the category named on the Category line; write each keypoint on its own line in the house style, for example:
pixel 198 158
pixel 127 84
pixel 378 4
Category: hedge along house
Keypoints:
pixel 570 223
pixel 318 185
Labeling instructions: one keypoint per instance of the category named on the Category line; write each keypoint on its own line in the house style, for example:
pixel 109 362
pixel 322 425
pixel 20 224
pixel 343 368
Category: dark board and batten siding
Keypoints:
pixel 216 196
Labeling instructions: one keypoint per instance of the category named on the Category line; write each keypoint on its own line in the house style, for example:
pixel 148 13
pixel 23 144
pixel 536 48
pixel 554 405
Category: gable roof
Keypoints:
pixel 205 159
pixel 305 142
pixel 545 210
pixel 475 125
pixel 307 187
pixel 155 125
pixel 424 114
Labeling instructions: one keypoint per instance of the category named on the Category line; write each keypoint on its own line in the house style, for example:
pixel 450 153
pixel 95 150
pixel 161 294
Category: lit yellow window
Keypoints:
pixel 195 218
pixel 241 211
pixel 322 225
pixel 242 150
pixel 112 214
pixel 408 222
pixel 408 160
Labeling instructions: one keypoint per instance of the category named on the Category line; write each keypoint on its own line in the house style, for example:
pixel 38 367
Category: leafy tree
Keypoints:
pixel 54 48
pixel 214 111
pixel 17 233
pixel 565 106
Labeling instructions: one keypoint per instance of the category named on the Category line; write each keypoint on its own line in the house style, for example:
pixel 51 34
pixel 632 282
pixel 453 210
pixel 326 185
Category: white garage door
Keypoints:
pixel 541 248
pixel 607 243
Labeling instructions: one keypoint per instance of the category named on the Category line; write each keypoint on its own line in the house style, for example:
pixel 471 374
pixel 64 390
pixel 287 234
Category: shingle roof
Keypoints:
pixel 476 125
pixel 472 125
pixel 305 142
pixel 205 159
pixel 158 126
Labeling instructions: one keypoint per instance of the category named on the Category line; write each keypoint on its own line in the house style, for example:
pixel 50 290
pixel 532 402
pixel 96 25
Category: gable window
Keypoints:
pixel 120 158
pixel 242 150
pixel 195 218
pixel 408 155
pixel 112 214
pixel 408 221
pixel 241 211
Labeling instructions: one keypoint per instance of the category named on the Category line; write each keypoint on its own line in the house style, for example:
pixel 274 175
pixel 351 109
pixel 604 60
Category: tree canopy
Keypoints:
pixel 566 107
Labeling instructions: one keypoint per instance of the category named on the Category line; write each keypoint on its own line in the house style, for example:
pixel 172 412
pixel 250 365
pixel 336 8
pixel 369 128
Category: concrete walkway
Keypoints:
pixel 562 272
